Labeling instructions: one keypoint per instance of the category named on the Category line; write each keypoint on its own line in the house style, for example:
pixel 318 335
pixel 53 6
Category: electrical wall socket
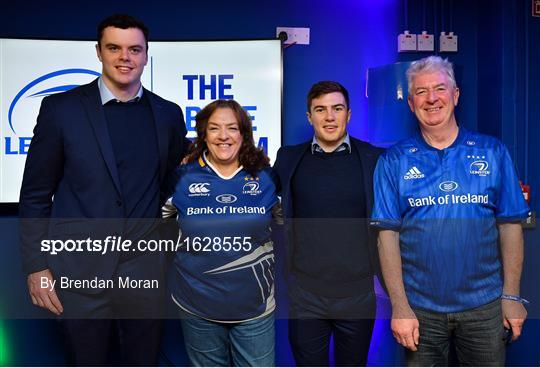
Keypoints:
pixel 406 42
pixel 426 42
pixel 536 8
pixel 448 42
pixel 299 36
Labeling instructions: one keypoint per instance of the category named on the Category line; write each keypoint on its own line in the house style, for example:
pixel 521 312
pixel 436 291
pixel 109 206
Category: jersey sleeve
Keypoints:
pixel 386 213
pixel 511 205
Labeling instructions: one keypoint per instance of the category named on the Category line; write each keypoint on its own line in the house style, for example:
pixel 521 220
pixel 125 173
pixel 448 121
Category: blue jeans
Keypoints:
pixel 244 344
pixel 478 337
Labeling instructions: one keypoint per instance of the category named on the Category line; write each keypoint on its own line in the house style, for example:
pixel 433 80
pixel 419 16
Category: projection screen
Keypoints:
pixel 191 74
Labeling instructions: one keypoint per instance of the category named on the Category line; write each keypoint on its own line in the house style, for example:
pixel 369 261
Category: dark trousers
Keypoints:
pixel 477 334
pixel 126 318
pixel 315 319
pixel 88 341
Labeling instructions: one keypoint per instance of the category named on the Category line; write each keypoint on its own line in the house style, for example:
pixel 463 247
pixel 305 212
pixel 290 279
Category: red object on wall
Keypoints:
pixel 526 189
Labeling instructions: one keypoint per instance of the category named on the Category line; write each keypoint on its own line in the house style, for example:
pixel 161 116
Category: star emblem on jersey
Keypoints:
pixel 251 178
pixel 413 173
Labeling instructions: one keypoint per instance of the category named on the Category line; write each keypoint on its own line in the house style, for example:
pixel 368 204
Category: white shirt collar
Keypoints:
pixel 106 94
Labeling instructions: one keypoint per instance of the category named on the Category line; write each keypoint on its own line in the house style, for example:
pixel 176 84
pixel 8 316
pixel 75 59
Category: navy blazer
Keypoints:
pixel 285 166
pixel 71 175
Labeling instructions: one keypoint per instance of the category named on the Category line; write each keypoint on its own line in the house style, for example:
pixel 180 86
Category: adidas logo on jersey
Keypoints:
pixel 413 173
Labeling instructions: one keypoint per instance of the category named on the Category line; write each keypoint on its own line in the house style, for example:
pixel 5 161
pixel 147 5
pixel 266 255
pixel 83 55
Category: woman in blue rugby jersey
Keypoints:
pixel 223 280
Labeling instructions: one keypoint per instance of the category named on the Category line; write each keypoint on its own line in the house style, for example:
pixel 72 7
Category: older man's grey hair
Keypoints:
pixel 430 64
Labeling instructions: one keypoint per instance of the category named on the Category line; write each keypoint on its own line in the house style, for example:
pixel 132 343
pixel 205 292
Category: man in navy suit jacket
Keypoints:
pixel 326 187
pixel 101 155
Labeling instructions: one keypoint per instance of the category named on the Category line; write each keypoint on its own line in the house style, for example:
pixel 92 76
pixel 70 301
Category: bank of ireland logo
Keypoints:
pixel 448 186
pixel 226 198
pixel 479 167
pixel 199 190
pixel 46 85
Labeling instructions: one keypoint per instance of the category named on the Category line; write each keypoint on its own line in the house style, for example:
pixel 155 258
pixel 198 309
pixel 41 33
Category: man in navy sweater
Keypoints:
pixel 326 187
pixel 102 151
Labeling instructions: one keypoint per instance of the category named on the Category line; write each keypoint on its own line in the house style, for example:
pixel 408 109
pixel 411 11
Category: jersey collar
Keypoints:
pixel 203 161
pixel 462 134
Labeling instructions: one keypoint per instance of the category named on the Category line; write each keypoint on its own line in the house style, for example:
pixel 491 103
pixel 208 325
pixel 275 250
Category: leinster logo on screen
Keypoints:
pixel 26 103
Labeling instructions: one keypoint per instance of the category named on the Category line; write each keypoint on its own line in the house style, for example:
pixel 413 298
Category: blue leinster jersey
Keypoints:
pixel 224 270
pixel 445 205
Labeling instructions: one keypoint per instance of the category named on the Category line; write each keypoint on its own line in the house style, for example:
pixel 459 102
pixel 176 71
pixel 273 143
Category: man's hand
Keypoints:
pixel 405 328
pixel 44 297
pixel 514 315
